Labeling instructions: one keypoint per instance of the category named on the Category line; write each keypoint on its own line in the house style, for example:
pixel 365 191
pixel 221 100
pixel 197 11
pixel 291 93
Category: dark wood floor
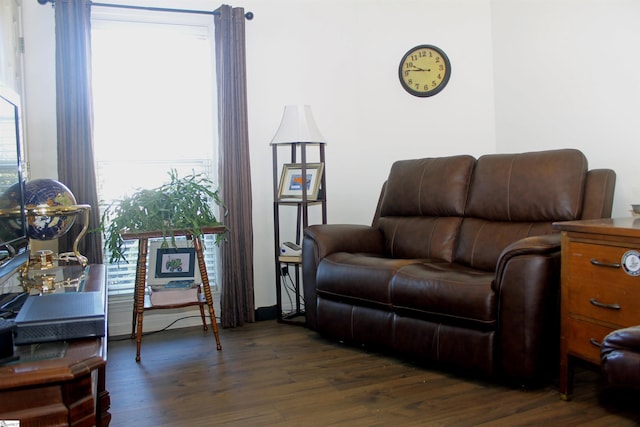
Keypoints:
pixel 271 374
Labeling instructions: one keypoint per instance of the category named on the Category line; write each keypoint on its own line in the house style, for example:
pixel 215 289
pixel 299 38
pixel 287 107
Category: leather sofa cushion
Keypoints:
pixel 440 290
pixel 428 187
pixel 415 287
pixel 362 279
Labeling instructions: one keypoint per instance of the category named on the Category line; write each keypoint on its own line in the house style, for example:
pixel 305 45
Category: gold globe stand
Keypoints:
pixel 42 275
pixel 52 211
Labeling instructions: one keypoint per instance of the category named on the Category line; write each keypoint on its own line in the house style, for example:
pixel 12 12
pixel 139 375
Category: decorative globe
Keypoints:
pixel 45 193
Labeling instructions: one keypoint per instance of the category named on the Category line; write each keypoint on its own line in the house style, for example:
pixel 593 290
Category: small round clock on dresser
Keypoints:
pixel 424 70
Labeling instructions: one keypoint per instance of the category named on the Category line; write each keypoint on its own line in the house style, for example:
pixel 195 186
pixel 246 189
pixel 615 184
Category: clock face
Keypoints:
pixel 424 70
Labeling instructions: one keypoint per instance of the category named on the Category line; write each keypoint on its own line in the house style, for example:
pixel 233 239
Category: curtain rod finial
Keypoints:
pixel 248 15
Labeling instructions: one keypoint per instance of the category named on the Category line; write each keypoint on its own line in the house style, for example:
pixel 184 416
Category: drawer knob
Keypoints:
pixel 604 264
pixel 595 342
pixel 603 305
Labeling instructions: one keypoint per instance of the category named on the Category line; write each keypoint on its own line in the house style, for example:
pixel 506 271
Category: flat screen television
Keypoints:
pixel 14 241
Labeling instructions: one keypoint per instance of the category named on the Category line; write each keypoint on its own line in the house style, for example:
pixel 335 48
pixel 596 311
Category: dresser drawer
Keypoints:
pixel 583 339
pixel 601 292
pixel 584 323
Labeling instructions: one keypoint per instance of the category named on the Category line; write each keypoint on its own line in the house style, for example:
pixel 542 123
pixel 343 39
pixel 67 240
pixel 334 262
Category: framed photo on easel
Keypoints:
pixel 169 265
pixel 292 181
pixel 175 262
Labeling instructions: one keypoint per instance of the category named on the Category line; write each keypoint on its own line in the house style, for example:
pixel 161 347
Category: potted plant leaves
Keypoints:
pixel 183 203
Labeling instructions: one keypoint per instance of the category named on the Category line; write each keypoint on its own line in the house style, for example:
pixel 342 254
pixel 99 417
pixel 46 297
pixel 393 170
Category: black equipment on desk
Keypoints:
pixel 60 317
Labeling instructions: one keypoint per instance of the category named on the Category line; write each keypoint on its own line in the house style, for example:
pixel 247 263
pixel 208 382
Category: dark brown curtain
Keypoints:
pixel 75 117
pixel 234 171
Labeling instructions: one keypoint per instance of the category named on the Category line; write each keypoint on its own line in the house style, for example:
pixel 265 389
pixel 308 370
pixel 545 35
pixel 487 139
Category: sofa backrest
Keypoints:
pixel 459 209
pixel 598 197
pixel 513 196
pixel 422 206
pixel 533 187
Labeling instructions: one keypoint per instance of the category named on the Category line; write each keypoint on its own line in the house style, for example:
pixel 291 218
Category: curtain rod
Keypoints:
pixel 248 15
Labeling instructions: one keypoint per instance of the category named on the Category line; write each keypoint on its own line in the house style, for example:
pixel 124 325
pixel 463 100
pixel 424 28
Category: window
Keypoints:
pixel 153 90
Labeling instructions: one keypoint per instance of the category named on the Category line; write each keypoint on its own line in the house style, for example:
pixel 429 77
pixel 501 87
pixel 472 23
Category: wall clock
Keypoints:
pixel 424 70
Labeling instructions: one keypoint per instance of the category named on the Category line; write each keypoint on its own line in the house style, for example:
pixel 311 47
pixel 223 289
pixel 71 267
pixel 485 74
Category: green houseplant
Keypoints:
pixel 183 203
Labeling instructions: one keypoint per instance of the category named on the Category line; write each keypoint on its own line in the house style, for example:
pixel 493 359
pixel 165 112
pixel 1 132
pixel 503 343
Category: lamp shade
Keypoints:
pixel 297 125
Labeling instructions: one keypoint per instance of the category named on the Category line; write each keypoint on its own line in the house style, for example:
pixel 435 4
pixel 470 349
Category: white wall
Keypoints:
pixel 341 57
pixel 39 99
pixel 566 75
pixel 40 89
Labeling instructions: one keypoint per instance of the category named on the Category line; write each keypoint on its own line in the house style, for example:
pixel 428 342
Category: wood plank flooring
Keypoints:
pixel 271 374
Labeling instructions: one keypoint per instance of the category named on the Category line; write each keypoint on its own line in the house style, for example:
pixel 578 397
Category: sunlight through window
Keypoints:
pixel 153 89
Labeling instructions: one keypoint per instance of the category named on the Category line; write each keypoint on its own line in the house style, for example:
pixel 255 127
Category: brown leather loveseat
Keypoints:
pixel 460 267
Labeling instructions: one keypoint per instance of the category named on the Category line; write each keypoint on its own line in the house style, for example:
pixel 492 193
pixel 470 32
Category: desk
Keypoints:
pixel 61 391
pixel 599 295
pixel 140 304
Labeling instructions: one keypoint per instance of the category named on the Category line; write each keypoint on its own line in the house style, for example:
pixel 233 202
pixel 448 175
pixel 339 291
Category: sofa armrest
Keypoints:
pixel 330 238
pixel 527 284
pixel 325 239
pixel 535 245
pixel 622 339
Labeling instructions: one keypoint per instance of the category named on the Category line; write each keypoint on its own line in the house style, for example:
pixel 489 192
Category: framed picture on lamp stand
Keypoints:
pixel 292 181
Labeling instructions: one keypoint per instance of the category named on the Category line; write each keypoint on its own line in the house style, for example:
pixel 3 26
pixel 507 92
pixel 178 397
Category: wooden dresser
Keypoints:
pixel 60 390
pixel 600 287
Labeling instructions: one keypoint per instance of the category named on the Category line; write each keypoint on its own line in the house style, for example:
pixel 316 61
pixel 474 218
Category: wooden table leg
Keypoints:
pixel 566 368
pixel 207 289
pixel 566 377
pixel 141 277
pixel 201 307
pixel 140 269
pixel 103 401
